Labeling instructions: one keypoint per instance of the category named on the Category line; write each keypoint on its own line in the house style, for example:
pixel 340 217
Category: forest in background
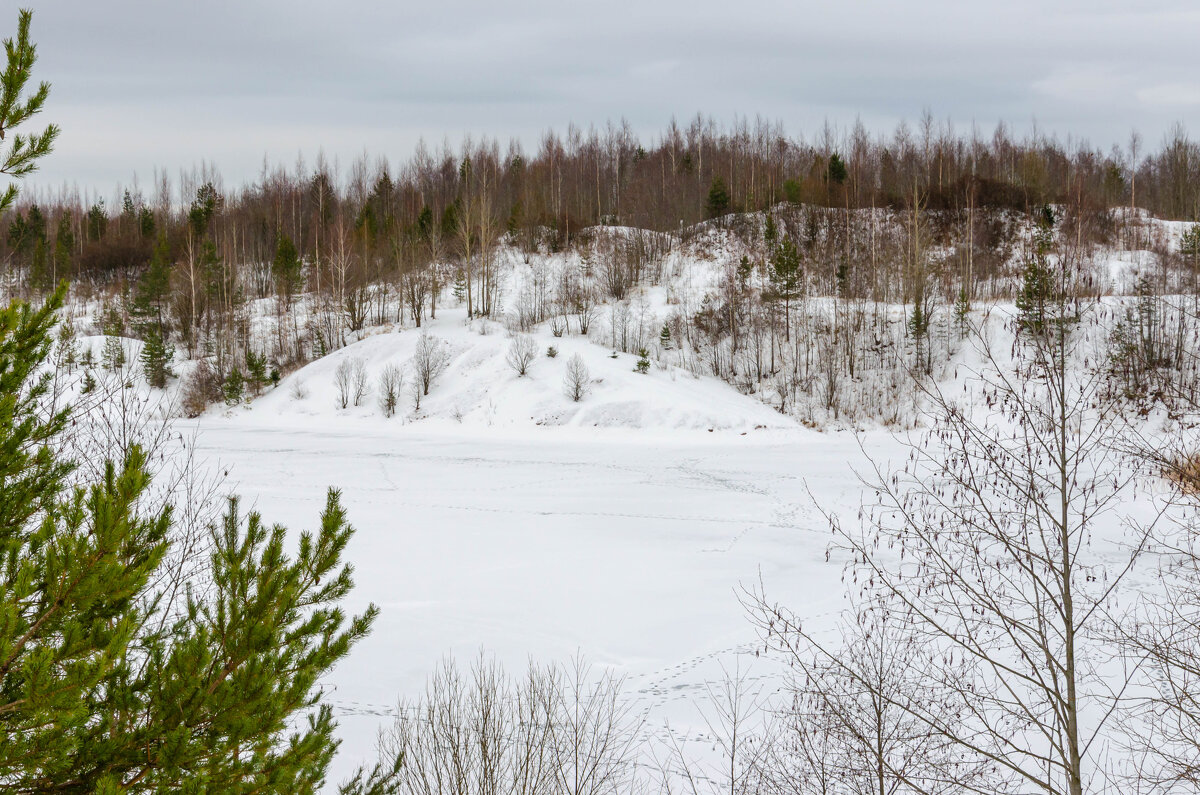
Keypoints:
pixel 814 240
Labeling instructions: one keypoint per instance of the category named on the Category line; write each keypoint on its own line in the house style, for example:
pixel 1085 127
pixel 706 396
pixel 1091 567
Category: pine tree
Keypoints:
pixel 256 370
pixel 837 172
pixel 718 201
pixel 156 359
pixel 23 151
pixel 1037 293
pixel 97 221
pixel 643 362
pixel 107 683
pixel 770 233
pixel 286 268
pixel 962 312
pixel 112 355
pixel 664 336
pixel 153 291
pixel 785 278
pixel 460 286
pixel 234 388
pixel 66 346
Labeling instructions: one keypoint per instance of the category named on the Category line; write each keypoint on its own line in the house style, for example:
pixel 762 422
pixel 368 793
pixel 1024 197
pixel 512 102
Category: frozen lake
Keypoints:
pixel 628 547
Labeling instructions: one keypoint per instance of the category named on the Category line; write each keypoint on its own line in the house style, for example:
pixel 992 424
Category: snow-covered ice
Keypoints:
pixel 629 547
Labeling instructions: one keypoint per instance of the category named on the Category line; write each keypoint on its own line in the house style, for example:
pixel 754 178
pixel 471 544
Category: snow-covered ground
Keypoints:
pixel 629 547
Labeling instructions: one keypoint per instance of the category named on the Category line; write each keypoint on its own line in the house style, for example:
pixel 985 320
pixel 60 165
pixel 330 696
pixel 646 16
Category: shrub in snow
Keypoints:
pixel 551 352
pixel 575 382
pixel 429 361
pixel 298 390
pixel 521 353
pixel 202 387
pixel 391 381
pixel 643 362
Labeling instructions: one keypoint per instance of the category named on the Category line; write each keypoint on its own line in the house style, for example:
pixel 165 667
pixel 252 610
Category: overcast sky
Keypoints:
pixel 139 84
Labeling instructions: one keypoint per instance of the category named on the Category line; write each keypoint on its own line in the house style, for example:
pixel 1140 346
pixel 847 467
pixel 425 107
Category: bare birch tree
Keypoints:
pixel 983 549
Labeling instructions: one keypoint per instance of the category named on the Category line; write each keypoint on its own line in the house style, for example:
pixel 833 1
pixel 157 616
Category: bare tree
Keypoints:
pixel 359 381
pixel 391 383
pixel 430 359
pixel 596 739
pixel 1163 721
pixel 577 380
pixel 734 713
pixel 552 731
pixel 850 727
pixel 983 549
pixel 343 381
pixel 521 353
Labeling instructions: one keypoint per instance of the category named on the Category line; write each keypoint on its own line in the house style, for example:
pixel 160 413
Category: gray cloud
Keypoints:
pixel 140 84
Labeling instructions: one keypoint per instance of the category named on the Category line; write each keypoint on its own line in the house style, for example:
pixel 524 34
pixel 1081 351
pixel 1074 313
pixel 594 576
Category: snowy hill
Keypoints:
pixel 479 388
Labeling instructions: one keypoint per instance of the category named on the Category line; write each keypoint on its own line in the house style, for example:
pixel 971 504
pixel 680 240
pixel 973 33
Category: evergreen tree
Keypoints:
pixel 109 685
pixel 153 291
pixel 146 222
pixel 962 312
pixel 785 279
pixel 66 346
pixel 718 201
pixel 234 388
pixel 643 362
pixel 23 152
pixel 837 172
pixel 664 336
pixel 793 191
pixel 424 223
pixel 156 359
pixel 1037 292
pixel 286 268
pixel 112 355
pixel 203 207
pixel 97 221
pixel 459 287
pixel 256 370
